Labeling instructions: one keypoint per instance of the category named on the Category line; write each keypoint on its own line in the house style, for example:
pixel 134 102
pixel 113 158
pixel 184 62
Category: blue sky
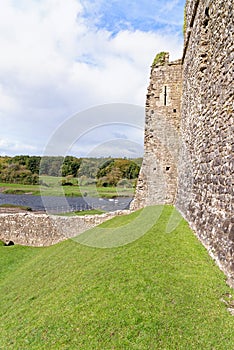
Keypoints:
pixel 59 58
pixel 135 15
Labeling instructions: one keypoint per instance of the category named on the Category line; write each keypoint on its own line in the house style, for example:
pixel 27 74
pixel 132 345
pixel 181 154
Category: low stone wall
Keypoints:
pixel 45 230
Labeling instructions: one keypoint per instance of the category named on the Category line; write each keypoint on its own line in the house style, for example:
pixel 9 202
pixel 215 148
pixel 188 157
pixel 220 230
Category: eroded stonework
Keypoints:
pixel 205 191
pixel 45 230
pixel 157 183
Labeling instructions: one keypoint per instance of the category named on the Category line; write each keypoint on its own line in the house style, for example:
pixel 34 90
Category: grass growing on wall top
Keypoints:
pixel 160 292
pixel 83 213
pixel 159 59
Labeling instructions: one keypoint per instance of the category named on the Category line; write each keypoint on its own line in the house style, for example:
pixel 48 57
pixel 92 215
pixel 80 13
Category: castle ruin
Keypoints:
pixel 189 144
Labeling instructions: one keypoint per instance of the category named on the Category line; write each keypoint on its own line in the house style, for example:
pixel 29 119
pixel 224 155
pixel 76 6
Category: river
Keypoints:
pixel 55 204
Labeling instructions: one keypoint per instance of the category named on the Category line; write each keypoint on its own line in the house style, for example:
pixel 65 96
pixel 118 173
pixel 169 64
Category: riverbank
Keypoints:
pixel 51 186
pixel 14 209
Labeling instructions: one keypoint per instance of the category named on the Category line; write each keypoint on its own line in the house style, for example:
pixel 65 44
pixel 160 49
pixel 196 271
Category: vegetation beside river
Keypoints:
pixel 54 188
pixel 69 176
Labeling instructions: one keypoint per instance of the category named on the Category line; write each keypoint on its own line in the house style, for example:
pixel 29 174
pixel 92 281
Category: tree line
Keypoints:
pixel 25 169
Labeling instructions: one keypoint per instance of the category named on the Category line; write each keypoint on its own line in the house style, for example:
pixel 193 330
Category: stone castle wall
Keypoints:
pixel 202 175
pixel 205 191
pixel 44 230
pixel 157 183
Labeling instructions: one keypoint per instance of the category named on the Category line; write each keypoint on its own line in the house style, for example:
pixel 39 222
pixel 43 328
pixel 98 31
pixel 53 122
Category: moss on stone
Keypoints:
pixel 159 59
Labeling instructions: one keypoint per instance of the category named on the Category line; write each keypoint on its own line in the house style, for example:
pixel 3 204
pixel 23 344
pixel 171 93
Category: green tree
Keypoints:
pixel 33 164
pixel 71 166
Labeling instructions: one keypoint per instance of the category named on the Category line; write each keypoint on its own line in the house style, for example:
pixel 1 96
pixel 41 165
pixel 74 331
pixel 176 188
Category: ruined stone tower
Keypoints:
pixel 158 177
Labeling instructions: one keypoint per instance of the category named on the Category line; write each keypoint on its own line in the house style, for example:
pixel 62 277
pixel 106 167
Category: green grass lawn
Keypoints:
pixel 161 291
pixel 55 189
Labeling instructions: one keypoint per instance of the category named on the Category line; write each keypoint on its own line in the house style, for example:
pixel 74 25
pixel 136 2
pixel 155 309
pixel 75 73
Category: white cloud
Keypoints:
pixel 116 140
pixel 7 104
pixel 16 147
pixel 54 63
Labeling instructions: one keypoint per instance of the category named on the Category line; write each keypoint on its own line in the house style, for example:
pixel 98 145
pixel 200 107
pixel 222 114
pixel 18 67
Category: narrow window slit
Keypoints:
pixel 165 95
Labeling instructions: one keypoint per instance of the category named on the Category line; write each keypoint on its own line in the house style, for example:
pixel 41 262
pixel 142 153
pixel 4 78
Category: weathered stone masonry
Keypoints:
pixel 44 230
pixel 205 191
pixel 204 168
pixel 157 183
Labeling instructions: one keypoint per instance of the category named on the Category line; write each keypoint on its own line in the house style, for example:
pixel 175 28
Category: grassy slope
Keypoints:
pixel 160 292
